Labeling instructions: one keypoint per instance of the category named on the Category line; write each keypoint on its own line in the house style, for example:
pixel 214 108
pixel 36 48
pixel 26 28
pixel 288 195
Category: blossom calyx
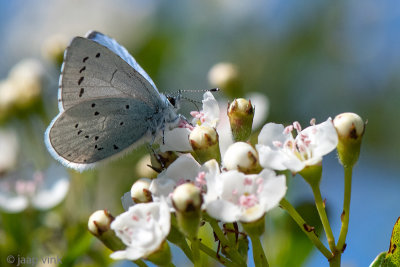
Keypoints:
pixel 204 141
pixel 99 225
pixel 241 114
pixel 140 192
pixel 350 128
pixel 243 157
pixel 187 201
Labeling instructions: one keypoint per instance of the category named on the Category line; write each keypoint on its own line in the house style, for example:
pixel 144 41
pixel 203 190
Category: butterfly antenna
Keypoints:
pixel 192 101
pixel 195 102
pixel 198 90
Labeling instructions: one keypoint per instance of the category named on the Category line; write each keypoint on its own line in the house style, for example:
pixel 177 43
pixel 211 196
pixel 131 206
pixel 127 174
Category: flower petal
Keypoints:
pixel 210 109
pixel 142 229
pixel 127 200
pixel 324 137
pixel 274 189
pixel 223 210
pixel 273 159
pixel 13 203
pixel 184 167
pixel 53 189
pixel 270 133
pixel 176 139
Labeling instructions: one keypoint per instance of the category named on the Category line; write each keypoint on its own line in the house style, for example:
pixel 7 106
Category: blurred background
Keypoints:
pixel 312 59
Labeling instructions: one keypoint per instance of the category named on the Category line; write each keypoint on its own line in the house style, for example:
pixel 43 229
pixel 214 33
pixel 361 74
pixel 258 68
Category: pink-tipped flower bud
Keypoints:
pixel 140 192
pixel 187 200
pixel 204 141
pixel 241 114
pixel 242 157
pixel 350 128
pixel 99 225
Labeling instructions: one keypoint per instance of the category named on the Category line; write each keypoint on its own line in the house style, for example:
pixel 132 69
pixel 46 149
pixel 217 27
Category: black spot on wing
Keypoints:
pixel 80 80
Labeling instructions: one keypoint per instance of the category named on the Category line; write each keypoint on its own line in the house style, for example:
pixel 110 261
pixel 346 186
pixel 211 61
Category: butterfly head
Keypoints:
pixel 174 101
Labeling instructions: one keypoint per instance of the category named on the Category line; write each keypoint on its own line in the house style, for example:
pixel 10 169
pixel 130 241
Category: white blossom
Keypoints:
pixel 233 196
pixel 142 229
pixel 40 189
pixel 279 150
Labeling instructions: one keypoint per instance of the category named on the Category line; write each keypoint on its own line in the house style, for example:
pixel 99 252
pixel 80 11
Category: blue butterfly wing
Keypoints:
pixel 120 51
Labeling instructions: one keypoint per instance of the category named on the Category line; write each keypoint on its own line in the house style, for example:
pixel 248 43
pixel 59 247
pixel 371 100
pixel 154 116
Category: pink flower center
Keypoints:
pixel 248 201
pixel 185 124
pixel 198 115
pixel 301 146
pixel 201 179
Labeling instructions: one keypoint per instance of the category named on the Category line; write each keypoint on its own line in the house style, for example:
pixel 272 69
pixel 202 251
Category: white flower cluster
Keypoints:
pixel 242 188
pixel 22 185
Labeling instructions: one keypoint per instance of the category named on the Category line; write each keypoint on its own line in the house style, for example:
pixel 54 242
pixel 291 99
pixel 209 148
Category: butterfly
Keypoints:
pixel 107 104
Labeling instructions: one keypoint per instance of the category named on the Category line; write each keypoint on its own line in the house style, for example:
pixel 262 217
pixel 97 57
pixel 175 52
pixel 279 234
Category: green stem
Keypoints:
pixel 179 240
pixel 335 261
pixel 346 207
pixel 195 242
pixel 230 233
pixel 212 254
pixel 324 219
pixel 285 204
pixel 140 263
pixel 258 253
pixel 217 230
pixel 231 251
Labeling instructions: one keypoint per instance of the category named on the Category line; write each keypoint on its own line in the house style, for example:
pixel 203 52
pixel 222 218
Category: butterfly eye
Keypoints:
pixel 171 100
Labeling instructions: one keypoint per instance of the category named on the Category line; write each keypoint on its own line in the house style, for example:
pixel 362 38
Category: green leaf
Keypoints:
pixel 378 260
pixel 393 255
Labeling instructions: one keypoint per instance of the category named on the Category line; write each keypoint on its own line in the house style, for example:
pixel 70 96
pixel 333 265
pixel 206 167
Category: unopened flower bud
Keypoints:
pixel 241 113
pixel 9 151
pixel 25 82
pixel 162 160
pixel 143 168
pixel 204 141
pixel 242 157
pixel 99 222
pixel 53 48
pixel 187 200
pixel 350 128
pixel 226 77
pixel 140 192
pixel 99 225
